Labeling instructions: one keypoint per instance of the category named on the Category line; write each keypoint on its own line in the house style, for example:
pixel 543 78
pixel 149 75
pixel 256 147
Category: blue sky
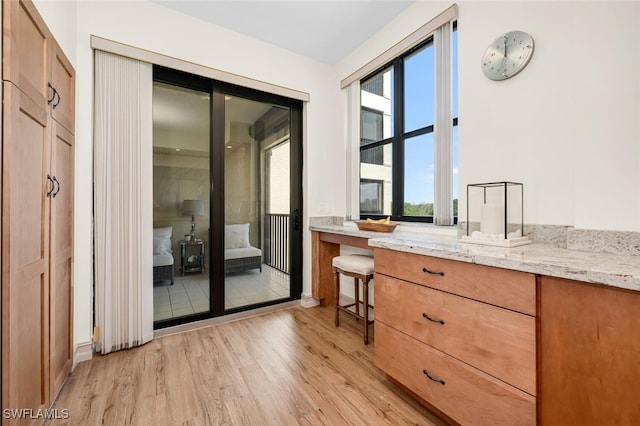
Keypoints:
pixel 419 113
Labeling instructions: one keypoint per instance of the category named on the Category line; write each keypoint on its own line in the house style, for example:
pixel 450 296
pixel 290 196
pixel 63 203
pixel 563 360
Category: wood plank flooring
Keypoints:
pixel 289 367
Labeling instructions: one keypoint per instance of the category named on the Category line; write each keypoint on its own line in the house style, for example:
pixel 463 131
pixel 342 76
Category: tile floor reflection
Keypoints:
pixel 190 294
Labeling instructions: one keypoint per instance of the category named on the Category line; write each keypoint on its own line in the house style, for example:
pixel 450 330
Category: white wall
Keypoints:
pixel 61 18
pixel 568 126
pixel 149 26
pixel 607 120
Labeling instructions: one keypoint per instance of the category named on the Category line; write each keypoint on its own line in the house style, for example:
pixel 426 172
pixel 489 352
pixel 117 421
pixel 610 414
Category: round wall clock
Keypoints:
pixel 507 55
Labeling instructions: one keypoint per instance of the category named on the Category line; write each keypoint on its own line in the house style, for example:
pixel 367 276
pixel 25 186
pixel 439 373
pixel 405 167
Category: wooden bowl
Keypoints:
pixel 363 225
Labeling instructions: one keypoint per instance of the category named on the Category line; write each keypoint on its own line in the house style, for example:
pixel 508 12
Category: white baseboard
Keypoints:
pixel 82 352
pixel 307 301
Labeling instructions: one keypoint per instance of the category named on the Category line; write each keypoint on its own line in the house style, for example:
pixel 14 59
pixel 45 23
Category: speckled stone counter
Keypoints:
pixel 601 268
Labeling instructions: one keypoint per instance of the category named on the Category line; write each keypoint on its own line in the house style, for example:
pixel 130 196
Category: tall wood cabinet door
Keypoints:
pixel 63 80
pixel 26 50
pixel 589 354
pixel 25 252
pixel 61 286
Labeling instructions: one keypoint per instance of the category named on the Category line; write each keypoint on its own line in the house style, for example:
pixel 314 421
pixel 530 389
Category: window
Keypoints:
pixel 400 175
pixel 371 197
pixel 372 131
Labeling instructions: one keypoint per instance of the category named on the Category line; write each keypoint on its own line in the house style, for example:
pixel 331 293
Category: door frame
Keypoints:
pixel 218 90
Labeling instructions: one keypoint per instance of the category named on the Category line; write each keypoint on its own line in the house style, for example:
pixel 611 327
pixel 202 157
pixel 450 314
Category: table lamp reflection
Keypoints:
pixel 193 208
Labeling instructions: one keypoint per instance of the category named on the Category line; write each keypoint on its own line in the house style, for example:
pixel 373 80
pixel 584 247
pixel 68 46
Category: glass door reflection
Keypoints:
pixel 256 205
pixel 181 158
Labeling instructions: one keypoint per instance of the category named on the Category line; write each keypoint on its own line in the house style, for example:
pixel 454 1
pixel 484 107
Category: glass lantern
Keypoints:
pixel 495 214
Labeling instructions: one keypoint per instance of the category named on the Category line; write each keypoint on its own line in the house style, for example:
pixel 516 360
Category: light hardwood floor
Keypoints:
pixel 287 367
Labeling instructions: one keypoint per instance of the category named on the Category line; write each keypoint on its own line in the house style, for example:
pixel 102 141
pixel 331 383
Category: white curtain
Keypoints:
pixel 123 215
pixel 352 143
pixel 443 128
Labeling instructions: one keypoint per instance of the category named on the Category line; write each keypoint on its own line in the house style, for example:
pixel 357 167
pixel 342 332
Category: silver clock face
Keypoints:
pixel 507 55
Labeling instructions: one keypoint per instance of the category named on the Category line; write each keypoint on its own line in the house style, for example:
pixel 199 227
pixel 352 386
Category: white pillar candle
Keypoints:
pixel 491 219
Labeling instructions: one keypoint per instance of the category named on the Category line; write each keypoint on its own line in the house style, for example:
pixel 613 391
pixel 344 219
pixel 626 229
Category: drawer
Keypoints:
pixel 468 396
pixel 501 287
pixel 495 340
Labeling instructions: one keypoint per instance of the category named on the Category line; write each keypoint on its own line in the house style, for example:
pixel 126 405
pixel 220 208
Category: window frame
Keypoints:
pixel 399 136
pixel 379 189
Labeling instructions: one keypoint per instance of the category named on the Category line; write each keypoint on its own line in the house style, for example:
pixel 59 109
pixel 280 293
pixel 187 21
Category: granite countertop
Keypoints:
pixel 621 271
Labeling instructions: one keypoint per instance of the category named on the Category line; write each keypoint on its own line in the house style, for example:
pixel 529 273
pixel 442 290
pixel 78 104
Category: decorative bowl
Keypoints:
pixel 363 225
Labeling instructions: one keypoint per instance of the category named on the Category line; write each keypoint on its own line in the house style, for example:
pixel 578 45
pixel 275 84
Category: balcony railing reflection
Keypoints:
pixel 276 241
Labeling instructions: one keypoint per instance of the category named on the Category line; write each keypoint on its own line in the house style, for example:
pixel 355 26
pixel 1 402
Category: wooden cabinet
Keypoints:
pixel 37 210
pixel 501 287
pixel 462 392
pixel 61 257
pixel 496 340
pixel 589 369
pixel 458 335
pixel 64 89
pixel 25 252
pixel 26 50
pixel 34 62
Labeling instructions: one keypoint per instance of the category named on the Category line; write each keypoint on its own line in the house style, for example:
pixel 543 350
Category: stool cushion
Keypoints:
pixel 355 263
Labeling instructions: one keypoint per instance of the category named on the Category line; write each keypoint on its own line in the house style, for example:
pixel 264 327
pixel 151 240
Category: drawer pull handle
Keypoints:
pixel 431 319
pixel 432 272
pixel 426 373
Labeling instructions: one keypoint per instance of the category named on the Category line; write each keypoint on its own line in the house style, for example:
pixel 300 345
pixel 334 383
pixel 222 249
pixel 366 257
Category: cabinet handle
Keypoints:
pixel 53 185
pixel 431 319
pixel 426 373
pixel 53 94
pixel 432 272
pixel 57 190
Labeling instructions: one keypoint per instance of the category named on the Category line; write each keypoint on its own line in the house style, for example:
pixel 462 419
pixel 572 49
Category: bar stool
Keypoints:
pixel 360 268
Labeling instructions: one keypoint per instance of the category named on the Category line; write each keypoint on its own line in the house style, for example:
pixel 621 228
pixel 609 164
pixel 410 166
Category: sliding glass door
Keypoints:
pixel 233 204
pixel 256 237
pixel 181 176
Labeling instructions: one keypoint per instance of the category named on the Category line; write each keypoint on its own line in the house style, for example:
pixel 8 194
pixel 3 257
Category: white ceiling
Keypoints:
pixel 323 30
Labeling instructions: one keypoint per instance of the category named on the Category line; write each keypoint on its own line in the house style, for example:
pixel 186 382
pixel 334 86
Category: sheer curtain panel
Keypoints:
pixel 352 133
pixel 123 200
pixel 443 129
